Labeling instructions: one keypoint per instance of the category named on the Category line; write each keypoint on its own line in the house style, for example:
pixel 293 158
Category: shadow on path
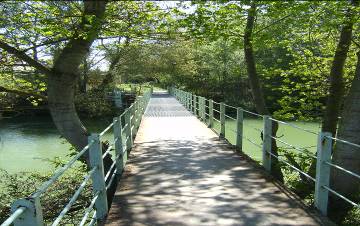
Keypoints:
pixel 180 173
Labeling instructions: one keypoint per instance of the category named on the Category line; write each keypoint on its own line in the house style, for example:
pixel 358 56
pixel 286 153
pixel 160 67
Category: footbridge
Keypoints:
pixel 178 159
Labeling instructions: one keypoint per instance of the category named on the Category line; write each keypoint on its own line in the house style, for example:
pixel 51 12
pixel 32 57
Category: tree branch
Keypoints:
pixel 356 43
pixel 22 56
pixel 273 23
pixel 49 42
pixel 22 93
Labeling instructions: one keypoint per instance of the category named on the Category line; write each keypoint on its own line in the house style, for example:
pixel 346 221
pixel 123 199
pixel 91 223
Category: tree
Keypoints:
pixel 345 155
pixel 336 90
pixel 256 89
pixel 63 75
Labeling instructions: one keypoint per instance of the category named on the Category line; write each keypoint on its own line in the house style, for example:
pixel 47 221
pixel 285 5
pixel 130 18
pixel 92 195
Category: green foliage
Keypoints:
pixel 301 185
pixel 94 104
pixel 352 218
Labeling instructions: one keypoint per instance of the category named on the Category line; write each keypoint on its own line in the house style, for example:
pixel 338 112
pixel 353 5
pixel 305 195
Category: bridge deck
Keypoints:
pixel 180 173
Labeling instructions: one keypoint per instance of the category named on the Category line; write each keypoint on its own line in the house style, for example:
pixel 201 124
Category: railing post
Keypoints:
pixel 322 171
pixel 98 179
pixel 211 113
pixel 32 216
pixel 239 128
pixel 200 107
pixel 266 148
pixel 118 145
pixel 129 132
pixel 184 99
pixel 195 105
pixel 190 101
pixel 138 114
pixel 203 109
pixel 133 123
pixel 222 119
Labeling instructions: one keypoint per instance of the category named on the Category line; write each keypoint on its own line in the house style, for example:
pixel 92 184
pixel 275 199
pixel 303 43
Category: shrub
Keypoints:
pixel 94 104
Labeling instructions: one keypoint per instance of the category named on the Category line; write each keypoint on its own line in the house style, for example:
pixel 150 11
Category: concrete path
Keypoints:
pixel 180 173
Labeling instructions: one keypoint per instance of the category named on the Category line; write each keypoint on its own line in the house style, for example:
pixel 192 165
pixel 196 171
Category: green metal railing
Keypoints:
pixel 28 211
pixel 205 110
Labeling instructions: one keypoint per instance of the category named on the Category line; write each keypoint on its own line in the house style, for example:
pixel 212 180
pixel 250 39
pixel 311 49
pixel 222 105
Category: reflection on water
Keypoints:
pixel 26 141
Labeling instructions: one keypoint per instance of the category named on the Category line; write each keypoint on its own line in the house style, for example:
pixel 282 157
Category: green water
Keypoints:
pixel 286 133
pixel 25 143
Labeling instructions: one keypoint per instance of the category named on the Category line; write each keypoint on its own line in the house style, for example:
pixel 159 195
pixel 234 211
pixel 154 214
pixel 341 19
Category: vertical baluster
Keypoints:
pixel 95 155
pixel 322 171
pixel 239 128
pixel 222 119
pixel 266 149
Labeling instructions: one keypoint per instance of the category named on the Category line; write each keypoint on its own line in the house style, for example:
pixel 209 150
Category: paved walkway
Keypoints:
pixel 180 173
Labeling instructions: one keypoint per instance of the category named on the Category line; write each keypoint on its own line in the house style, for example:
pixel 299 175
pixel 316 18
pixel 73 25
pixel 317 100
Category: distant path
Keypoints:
pixel 180 173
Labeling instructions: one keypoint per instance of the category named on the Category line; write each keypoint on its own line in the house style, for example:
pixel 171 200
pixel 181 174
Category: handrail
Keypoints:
pixel 294 126
pixel 73 198
pixel 106 129
pixel 15 215
pixel 60 172
pixel 296 148
pixel 141 103
pixel 324 146
pixel 344 141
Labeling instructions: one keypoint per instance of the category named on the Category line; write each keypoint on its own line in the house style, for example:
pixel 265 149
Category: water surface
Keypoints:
pixel 26 142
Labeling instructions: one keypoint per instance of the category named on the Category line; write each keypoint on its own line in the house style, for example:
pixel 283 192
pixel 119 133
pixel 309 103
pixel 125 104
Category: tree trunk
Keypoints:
pixel 62 80
pixel 348 156
pixel 336 90
pixel 257 91
pixel 83 79
pixel 109 77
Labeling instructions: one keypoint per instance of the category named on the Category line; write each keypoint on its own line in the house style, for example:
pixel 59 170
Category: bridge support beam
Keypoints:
pixel 324 146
